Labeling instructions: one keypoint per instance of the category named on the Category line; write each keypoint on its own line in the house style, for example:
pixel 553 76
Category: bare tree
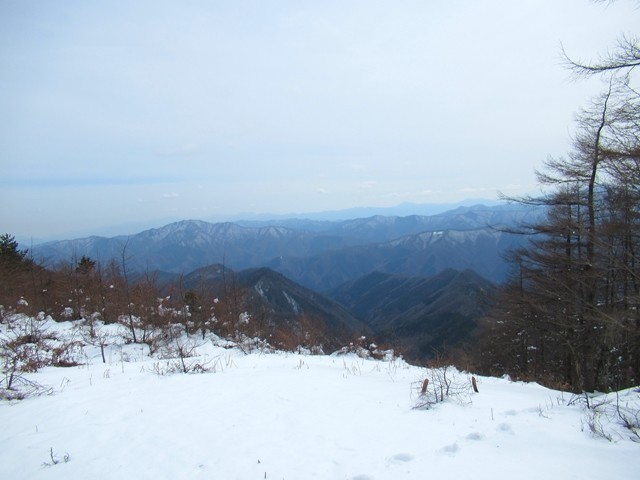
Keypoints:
pixel 570 311
pixel 621 60
pixel 127 293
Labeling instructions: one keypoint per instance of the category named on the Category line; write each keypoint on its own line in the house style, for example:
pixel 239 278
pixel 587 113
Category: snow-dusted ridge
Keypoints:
pixel 184 246
pixel 294 416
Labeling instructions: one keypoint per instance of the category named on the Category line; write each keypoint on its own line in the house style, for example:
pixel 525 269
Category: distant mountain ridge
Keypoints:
pixel 380 228
pixel 183 246
pixel 400 210
pixel 315 254
pixel 425 254
pixel 251 219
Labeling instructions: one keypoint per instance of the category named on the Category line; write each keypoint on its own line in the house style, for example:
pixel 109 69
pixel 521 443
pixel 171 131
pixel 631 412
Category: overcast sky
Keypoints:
pixel 117 111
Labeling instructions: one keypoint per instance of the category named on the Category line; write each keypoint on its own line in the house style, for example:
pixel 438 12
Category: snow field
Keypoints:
pixel 290 416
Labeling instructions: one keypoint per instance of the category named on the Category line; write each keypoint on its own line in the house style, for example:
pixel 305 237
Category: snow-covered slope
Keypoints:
pixel 290 416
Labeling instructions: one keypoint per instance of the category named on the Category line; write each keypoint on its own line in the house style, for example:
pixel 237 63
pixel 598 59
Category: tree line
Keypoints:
pixel 84 289
pixel 569 315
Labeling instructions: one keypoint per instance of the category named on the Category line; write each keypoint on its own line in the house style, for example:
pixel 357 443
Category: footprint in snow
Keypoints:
pixel 450 450
pixel 505 427
pixel 400 458
pixel 362 477
pixel 474 436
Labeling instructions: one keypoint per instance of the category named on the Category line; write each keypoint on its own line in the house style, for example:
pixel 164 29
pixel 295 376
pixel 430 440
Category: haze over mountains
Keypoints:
pixel 419 282
pixel 311 252
pixel 261 219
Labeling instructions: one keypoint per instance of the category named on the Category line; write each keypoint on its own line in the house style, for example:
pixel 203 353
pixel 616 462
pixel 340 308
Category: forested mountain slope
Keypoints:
pixel 420 315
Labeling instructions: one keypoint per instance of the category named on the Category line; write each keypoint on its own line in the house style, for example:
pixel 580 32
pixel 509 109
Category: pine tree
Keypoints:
pixel 10 254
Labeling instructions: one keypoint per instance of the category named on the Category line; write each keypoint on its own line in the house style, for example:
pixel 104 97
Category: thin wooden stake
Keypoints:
pixel 474 384
pixel 425 384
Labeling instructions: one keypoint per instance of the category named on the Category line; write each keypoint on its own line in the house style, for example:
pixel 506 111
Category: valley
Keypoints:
pixel 416 283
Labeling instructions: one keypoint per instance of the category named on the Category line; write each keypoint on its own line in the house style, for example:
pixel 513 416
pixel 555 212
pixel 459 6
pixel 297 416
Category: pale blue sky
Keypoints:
pixel 117 111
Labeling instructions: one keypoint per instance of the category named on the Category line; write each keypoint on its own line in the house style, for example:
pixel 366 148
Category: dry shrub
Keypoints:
pixel 444 382
pixel 26 345
pixel 364 349
pixel 283 338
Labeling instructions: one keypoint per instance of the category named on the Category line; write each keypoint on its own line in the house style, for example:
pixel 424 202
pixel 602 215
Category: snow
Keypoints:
pixel 290 416
pixel 294 305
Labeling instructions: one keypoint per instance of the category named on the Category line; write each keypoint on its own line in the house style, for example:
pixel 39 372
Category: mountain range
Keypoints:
pixel 418 282
pixel 317 254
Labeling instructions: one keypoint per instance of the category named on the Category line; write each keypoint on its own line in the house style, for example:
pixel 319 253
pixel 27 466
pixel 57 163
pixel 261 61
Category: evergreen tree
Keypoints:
pixel 10 254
